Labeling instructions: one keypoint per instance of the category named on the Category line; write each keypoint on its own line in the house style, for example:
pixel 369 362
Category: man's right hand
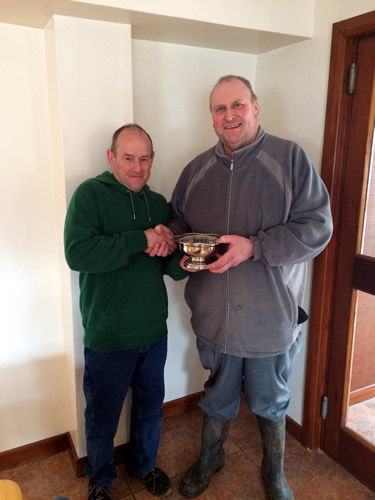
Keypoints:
pixel 239 250
pixel 160 241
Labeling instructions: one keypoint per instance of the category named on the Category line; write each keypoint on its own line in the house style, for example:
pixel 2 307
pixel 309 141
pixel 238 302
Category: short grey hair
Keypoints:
pixel 228 78
pixel 124 127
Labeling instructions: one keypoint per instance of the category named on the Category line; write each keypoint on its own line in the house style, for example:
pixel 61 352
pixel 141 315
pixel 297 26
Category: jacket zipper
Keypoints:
pixel 227 273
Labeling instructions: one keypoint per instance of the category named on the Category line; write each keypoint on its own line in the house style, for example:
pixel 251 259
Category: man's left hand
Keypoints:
pixel 240 249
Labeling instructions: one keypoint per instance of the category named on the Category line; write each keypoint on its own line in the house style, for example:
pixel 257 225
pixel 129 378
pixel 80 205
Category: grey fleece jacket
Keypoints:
pixel 271 193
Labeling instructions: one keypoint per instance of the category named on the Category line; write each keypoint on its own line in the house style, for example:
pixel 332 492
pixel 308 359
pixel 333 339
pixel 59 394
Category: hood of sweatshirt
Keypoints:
pixel 109 179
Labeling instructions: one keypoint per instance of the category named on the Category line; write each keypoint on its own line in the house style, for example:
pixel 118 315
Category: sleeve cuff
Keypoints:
pixel 257 248
pixel 138 241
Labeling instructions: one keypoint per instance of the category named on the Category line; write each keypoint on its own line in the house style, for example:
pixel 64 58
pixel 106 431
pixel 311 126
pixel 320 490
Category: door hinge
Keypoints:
pixel 324 407
pixel 352 80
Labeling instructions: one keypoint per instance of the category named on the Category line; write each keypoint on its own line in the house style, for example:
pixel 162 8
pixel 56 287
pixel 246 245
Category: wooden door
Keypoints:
pixel 352 333
pixel 342 326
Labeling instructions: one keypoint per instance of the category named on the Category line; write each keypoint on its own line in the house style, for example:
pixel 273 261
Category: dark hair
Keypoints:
pixel 228 78
pixel 124 127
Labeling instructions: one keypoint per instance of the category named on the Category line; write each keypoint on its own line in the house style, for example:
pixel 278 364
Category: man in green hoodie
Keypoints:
pixel 109 231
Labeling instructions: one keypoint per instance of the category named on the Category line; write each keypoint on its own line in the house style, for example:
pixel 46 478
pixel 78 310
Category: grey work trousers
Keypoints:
pixel 264 381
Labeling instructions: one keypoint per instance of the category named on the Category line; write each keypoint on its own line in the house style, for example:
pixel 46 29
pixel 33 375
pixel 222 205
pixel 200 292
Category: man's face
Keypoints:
pixel 235 116
pixel 132 161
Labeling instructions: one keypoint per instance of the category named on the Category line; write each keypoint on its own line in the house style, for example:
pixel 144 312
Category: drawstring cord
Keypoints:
pixel 146 202
pixel 132 202
pixel 147 206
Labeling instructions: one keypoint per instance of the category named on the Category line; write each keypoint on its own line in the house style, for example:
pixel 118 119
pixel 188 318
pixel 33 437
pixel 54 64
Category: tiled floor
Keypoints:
pixel 361 419
pixel 311 475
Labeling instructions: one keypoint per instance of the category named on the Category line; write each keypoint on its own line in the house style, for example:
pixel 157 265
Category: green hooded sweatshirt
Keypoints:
pixel 123 299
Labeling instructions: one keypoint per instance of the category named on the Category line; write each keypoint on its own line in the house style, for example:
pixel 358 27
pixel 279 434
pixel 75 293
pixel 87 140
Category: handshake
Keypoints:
pixel 160 241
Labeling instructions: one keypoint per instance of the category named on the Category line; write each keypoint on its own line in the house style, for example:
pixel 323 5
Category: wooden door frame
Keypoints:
pixel 344 37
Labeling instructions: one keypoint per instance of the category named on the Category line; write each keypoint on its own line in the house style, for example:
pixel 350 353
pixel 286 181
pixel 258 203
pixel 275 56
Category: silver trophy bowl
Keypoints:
pixel 199 246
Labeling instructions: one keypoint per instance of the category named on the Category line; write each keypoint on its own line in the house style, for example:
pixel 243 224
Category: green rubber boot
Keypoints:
pixel 211 459
pixel 273 441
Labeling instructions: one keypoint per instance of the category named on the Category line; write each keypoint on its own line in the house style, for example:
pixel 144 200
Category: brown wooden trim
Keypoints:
pixel 320 311
pixel 344 36
pixel 78 463
pixel 294 429
pixel 357 26
pixel 362 394
pixel 322 285
pixel 364 274
pixel 181 405
pixel 352 445
pixel 34 451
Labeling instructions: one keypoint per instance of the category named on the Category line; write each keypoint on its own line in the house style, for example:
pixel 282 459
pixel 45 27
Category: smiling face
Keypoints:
pixel 235 116
pixel 132 159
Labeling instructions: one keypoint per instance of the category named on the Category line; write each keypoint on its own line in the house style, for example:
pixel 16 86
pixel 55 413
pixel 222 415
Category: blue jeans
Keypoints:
pixel 264 381
pixel 108 376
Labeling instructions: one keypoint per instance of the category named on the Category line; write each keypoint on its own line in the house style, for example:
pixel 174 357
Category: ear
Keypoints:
pixel 256 108
pixel 152 158
pixel 110 156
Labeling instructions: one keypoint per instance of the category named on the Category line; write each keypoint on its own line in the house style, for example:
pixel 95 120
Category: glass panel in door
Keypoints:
pixel 360 415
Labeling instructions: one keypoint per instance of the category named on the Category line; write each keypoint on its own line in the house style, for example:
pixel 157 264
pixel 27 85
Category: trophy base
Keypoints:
pixel 199 265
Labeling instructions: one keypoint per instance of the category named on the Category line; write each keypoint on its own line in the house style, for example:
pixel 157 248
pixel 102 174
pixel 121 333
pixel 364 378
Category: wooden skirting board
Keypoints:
pixel 51 446
pixel 362 394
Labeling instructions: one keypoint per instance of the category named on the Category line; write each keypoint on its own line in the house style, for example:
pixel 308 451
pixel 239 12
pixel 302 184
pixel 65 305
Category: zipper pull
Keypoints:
pixel 232 164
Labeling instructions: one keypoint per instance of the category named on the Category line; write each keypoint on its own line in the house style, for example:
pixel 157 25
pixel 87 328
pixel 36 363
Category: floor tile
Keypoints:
pixel 311 474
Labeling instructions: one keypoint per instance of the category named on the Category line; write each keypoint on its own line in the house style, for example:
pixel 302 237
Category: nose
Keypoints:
pixel 137 165
pixel 228 115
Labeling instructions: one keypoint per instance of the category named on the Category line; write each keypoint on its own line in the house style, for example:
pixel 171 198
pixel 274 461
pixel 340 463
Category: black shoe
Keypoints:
pixel 97 492
pixel 157 482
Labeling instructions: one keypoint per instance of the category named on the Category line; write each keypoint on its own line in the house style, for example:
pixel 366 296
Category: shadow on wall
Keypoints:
pixel 96 162
pixel 184 374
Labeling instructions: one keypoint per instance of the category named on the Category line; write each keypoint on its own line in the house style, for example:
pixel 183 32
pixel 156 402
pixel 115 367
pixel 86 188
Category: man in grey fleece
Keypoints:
pixel 263 194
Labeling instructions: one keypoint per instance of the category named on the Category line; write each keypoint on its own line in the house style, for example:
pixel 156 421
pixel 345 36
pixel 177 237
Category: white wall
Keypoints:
pixel 171 88
pixel 33 403
pixel 291 85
